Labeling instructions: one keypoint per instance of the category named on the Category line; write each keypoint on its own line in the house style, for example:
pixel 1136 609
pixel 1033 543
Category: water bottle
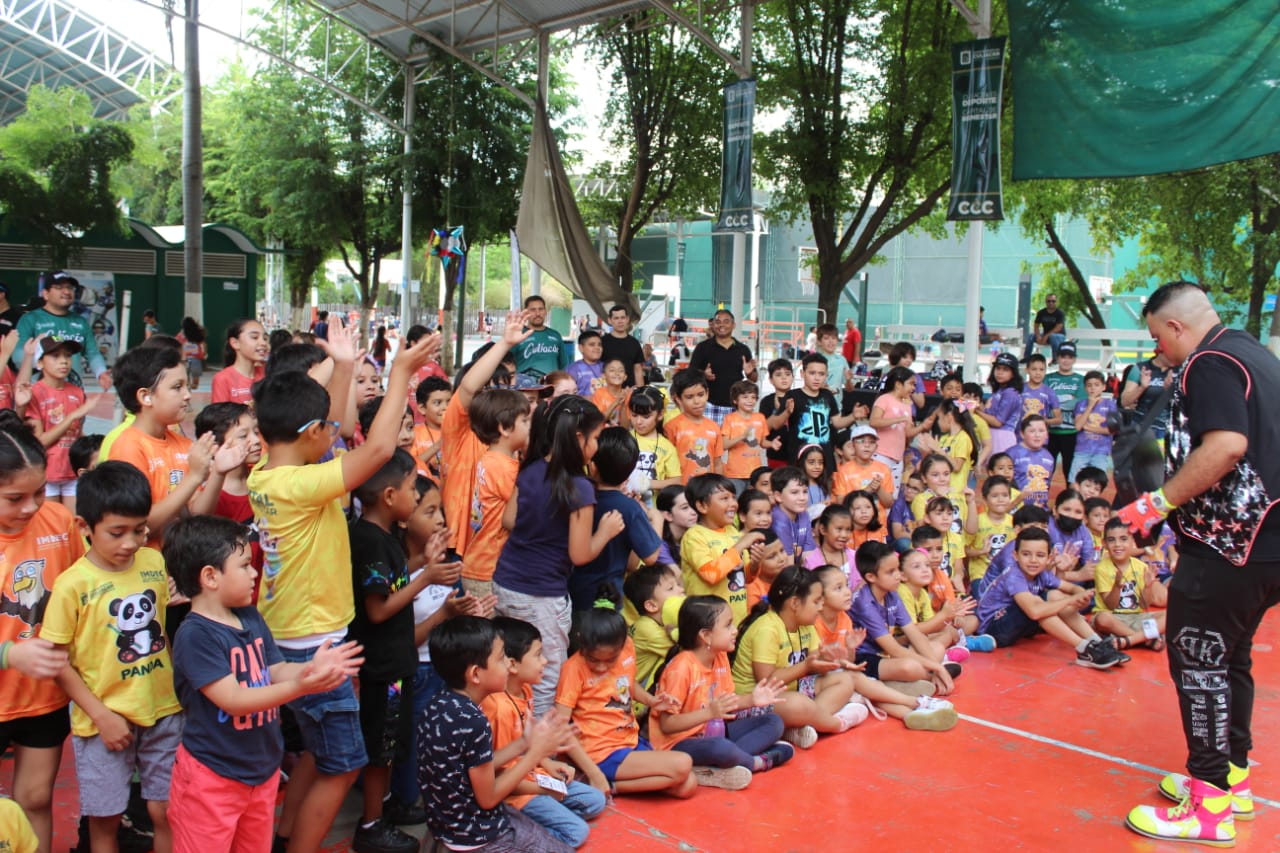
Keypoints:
pixel 715 726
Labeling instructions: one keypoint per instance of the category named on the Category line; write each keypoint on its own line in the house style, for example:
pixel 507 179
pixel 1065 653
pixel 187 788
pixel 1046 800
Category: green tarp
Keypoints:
pixel 1140 87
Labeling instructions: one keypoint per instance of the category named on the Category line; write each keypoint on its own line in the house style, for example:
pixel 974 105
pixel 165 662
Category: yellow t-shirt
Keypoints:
pixel 769 641
pixel 712 566
pixel 112 624
pixel 958 503
pixel 1104 580
pixel 917 603
pixel 306 571
pixel 658 456
pixel 1001 532
pixel 104 450
pixel 983 430
pixel 16 834
pixel 652 644
pixel 960 448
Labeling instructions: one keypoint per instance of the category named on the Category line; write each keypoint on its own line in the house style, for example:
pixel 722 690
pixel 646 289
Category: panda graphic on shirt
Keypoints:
pixel 137 628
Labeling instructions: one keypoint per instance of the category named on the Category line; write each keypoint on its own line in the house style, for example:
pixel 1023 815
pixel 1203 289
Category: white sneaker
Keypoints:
pixel 851 715
pixel 803 737
pixel 931 719
pixel 931 703
pixel 728 778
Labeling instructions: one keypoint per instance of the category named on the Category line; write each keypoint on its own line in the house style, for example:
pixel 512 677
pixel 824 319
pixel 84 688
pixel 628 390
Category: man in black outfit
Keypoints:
pixel 1052 326
pixel 1222 463
pixel 724 360
pixel 621 345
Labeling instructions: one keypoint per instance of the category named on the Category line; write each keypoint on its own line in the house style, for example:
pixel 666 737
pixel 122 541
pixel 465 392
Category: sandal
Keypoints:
pixel 1119 643
pixel 1157 645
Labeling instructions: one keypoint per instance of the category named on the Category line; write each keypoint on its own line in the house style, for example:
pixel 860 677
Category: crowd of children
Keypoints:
pixel 498 607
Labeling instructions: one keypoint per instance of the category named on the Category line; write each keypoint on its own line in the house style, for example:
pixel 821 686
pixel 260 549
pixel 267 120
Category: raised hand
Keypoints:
pixel 343 344
pixel 200 456
pixel 229 457
pixel 748 366
pixel 517 330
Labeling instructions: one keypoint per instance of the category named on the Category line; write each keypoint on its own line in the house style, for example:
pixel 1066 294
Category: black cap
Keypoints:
pixel 1006 359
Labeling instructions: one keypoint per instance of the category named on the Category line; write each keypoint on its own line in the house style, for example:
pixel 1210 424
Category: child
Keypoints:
pixel 839 373
pixel 892 417
pixel 1029 598
pixel 307 594
pixel 563 809
pixel 150 325
pixel 588 371
pixel 1093 417
pixel 194 350
pixel 612 395
pixel 777 410
pixel 658 459
pixel 107 611
pixel 1024 517
pixel 728 736
pixel 971 396
pixel 939 628
pixel 500 419
pixel 947 583
pixel 761 479
pixel 677 516
pixel 245 358
pixel 1127 594
pixel 461 788
pixel 1032 462
pixel 755 511
pixel 768 559
pixel 1069 388
pixel 550 519
pixel 1091 481
pixel 959 442
pixel 995 529
pixel 432 398
pixel 616 454
pixel 1162 555
pixel 791 512
pixel 1097 512
pixel 233 425
pixel 56 414
pixel 595 692
pixel 815 412
pixel 83 453
pixel 1004 409
pixel 231 680
pixel 867 527
pixel 780 644
pixel 648 588
pixel 712 553
pixel 812 459
pixel 1072 542
pixel 861 471
pixel 1037 397
pixel 832 531
pixel 560 383
pixel 745 435
pixel 936 471
pixel 901 519
pixel 696 438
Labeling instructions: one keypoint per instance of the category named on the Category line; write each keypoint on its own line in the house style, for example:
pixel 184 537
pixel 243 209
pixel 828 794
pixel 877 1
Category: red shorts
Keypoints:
pixel 211 812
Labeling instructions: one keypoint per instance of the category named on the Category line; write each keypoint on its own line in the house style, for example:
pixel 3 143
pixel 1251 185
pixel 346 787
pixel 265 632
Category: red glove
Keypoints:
pixel 1146 512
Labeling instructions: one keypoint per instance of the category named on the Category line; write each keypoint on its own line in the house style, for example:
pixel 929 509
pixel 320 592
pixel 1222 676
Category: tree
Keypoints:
pixel 55 175
pixel 865 152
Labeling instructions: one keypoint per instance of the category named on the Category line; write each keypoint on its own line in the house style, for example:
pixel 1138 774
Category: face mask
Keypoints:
pixel 1069 525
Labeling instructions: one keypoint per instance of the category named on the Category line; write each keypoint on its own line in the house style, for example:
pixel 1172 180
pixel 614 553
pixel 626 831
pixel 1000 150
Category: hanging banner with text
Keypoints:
pixel 977 74
pixel 735 166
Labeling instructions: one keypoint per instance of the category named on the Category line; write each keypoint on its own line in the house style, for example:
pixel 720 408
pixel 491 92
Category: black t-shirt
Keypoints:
pixel 627 350
pixel 769 407
pixel 726 364
pixel 810 423
pixel 453 737
pixel 378 567
pixel 1159 376
pixel 1046 320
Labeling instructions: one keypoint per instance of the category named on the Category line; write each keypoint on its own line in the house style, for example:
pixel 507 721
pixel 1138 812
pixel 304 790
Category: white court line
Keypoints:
pixel 1084 750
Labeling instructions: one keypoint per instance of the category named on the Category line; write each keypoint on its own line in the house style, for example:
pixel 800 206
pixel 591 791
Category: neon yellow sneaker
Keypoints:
pixel 1203 817
pixel 1175 787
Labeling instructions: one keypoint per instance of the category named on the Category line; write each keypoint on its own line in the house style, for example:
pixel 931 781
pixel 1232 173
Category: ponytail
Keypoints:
pixel 557 428
pixel 19 447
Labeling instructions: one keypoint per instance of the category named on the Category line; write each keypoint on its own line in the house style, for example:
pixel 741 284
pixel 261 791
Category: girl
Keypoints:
pixel 550 519
pixel 958 442
pixel 813 461
pixel 761 479
pixel 728 736
pixel 755 511
pixel 768 559
pixel 610 397
pixel 658 460
pixel 38 540
pixel 779 642
pixel 1032 461
pixel 892 419
pixel 380 348
pixel 676 516
pixel 971 396
pixel 367 383
pixel 561 383
pixel 1071 540
pixel 832 531
pixel 194 351
pixel 246 358
pixel 1005 406
pixel 936 471
pixel 1001 465
pixel 867 526
pixel 596 690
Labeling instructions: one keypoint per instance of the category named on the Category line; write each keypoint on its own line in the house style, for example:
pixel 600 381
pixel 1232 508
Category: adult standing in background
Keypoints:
pixel 55 318
pixel 1143 385
pixel 321 326
pixel 724 360
pixel 1069 388
pixel 620 344
pixel 852 350
pixel 1222 464
pixel 543 351
pixel 1052 326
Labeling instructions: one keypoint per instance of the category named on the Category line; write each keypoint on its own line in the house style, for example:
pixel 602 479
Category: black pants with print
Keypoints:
pixel 1214 611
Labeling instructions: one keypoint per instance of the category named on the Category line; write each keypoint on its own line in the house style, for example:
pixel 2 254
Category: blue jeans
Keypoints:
pixel 330 723
pixel 744 739
pixel 567 819
pixel 1085 460
pixel 404 774
pixel 1055 340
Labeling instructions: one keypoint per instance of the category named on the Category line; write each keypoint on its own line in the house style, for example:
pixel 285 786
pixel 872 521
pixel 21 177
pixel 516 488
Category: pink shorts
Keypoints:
pixel 211 812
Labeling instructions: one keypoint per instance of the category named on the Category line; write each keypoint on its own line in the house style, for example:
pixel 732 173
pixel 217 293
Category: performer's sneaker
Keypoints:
pixel 1203 817
pixel 1175 787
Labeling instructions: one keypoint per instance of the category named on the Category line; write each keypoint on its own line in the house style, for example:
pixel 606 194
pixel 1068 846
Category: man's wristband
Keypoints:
pixel 1161 503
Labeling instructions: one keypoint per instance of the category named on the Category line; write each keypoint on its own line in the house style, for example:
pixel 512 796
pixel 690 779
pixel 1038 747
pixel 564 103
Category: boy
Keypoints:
pixel 233 425
pixel 947 585
pixel 791 512
pixel 107 611
pixel 1126 591
pixel 995 529
pixel 1032 463
pixel 56 413
pixel 839 374
pixel 548 794
pixel 1029 598
pixel 500 419
pixel 815 412
pixel 776 410
pixel 745 435
pixel 83 453
pixel 1069 387
pixel 432 398
pixel 232 680
pixel 901 519
pixel 1091 482
pixel 697 438
pixel 307 598
pixel 588 371
pixel 384 625
pixel 152 384
pixel 1024 517
pixel 862 472
pixel 1092 417
pixel 648 588
pixel 462 791
pixel 616 455
pixel 712 555
pixel 1097 512
pixel 1037 397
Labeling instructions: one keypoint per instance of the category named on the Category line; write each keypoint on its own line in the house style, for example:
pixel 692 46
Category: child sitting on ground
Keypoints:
pixel 995 530
pixel 1127 594
pixel 648 588
pixel 943 626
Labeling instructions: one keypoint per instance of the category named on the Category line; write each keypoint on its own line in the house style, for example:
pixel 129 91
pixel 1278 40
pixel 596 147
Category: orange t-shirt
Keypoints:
pixel 838 634
pixel 692 685
pixel 506 715
pixel 940 589
pixel 232 386
pixel 698 444
pixel 462 452
pixel 30 562
pixel 748 454
pixel 423 437
pixel 757 590
pixel 857 537
pixel 600 705
pixel 604 398
pixel 495 483
pixel 853 476
pixel 162 460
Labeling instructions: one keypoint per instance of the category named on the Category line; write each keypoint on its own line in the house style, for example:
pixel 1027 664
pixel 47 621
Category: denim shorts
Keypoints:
pixel 329 722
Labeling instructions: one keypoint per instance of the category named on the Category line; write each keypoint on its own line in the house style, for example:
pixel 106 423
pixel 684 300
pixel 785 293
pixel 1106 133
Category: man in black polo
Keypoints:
pixel 621 345
pixel 1222 463
pixel 1050 327
pixel 724 360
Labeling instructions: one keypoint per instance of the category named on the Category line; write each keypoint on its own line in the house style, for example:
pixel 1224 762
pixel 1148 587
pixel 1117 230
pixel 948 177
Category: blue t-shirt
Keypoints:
pixel 795 534
pixel 879 618
pixel 453 737
pixel 1093 442
pixel 535 558
pixel 611 564
pixel 1032 472
pixel 999 595
pixel 245 748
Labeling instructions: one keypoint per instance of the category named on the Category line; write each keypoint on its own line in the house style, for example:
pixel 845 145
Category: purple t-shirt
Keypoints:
pixel 797 533
pixel 1032 471
pixel 1092 442
pixel 1039 401
pixel 900 512
pixel 583 373
pixel 879 618
pixel 1080 536
pixel 1005 406
pixel 999 596
pixel 1001 562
